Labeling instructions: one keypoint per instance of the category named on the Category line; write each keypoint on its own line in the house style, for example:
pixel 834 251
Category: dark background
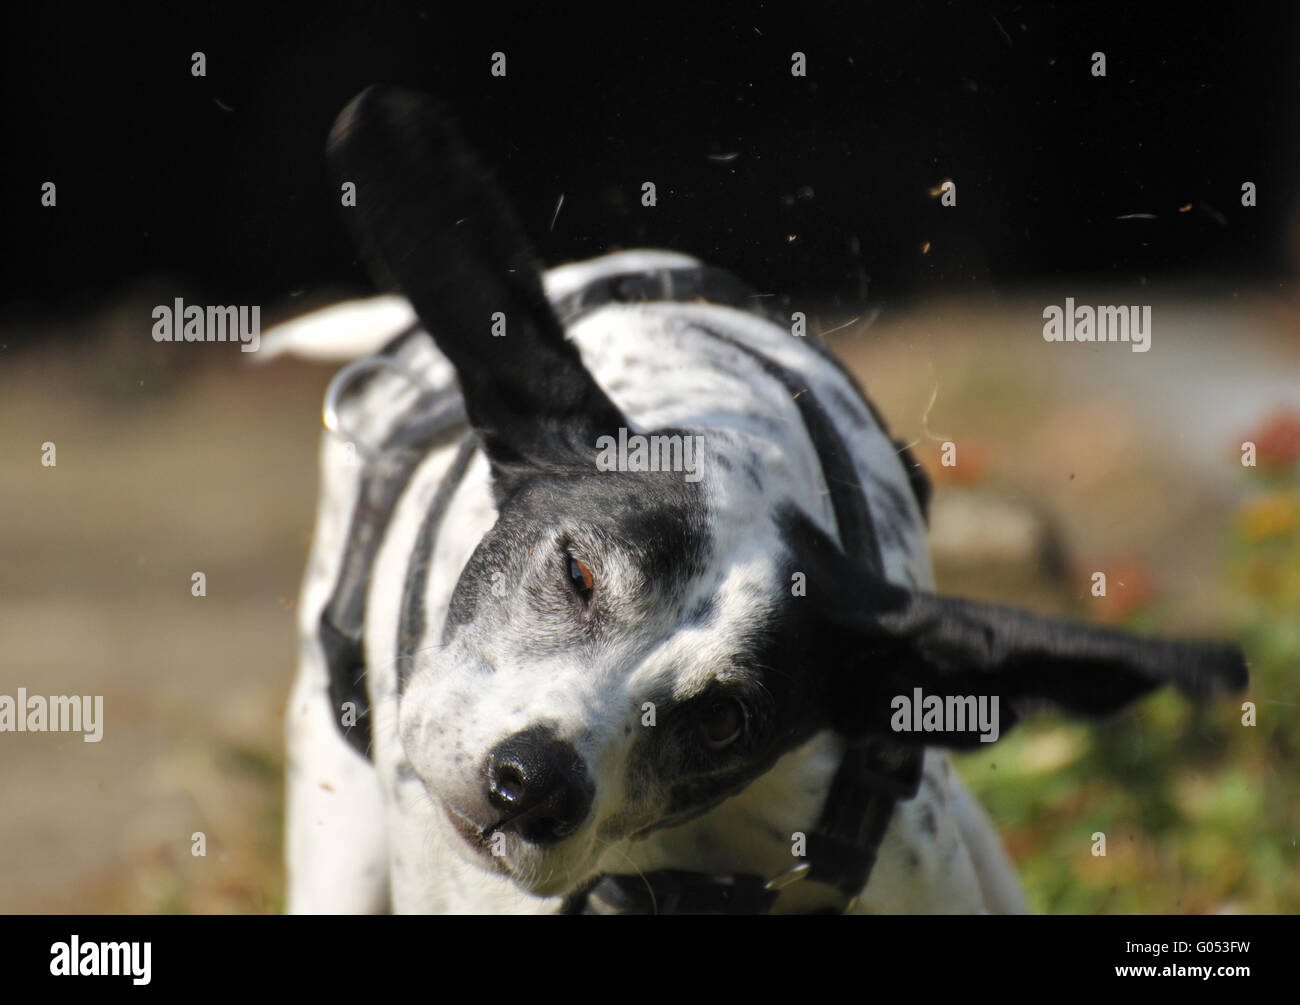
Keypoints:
pixel 219 183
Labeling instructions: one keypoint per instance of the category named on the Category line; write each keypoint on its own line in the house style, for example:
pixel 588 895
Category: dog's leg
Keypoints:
pixel 336 851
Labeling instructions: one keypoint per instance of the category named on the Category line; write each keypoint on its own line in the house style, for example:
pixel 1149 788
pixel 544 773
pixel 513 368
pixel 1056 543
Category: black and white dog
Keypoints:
pixel 615 589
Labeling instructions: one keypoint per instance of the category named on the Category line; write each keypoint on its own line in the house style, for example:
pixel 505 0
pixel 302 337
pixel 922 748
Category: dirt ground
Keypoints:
pixel 177 459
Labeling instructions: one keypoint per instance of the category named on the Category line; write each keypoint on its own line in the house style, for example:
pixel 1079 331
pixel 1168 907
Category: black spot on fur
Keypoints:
pixel 702 611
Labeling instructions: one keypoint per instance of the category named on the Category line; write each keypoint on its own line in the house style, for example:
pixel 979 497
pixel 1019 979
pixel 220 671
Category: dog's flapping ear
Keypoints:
pixel 431 222
pixel 892 659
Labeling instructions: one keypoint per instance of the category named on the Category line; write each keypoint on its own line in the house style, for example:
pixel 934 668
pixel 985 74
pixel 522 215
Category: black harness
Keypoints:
pixel 436 419
pixel 873 775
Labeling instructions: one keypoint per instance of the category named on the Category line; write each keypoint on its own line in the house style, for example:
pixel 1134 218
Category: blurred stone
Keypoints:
pixel 976 527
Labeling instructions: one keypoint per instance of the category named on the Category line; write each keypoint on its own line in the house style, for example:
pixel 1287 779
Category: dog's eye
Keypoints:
pixel 724 721
pixel 581 578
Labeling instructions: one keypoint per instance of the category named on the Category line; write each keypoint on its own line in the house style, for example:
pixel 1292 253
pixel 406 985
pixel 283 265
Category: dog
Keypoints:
pixel 619 589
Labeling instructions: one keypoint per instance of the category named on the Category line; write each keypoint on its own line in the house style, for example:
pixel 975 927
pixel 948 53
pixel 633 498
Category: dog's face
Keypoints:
pixel 623 650
pixel 607 668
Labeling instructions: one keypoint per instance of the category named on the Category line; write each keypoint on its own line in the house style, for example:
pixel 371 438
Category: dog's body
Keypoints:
pixel 664 365
pixel 531 683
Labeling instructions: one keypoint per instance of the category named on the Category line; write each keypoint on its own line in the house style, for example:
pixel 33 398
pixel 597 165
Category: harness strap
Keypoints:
pixel 435 420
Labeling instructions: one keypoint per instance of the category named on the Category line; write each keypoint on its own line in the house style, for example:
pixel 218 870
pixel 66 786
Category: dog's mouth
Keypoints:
pixel 477 839
pixel 486 846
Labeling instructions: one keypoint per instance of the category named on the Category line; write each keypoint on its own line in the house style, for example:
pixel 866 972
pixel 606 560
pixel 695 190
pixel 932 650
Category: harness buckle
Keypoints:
pixel 788 878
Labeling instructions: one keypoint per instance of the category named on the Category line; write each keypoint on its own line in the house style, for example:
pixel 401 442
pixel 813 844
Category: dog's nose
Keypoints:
pixel 540 783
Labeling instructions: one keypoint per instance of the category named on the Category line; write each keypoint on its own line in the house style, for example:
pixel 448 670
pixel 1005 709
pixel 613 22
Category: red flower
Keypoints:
pixel 1277 443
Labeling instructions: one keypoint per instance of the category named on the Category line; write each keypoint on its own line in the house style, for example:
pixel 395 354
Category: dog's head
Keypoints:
pixel 624 650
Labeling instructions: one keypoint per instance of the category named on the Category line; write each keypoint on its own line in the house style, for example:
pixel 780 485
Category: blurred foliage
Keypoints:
pixel 1201 813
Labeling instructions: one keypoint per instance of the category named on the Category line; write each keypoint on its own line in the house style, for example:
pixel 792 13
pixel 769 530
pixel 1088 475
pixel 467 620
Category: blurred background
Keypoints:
pixel 821 190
